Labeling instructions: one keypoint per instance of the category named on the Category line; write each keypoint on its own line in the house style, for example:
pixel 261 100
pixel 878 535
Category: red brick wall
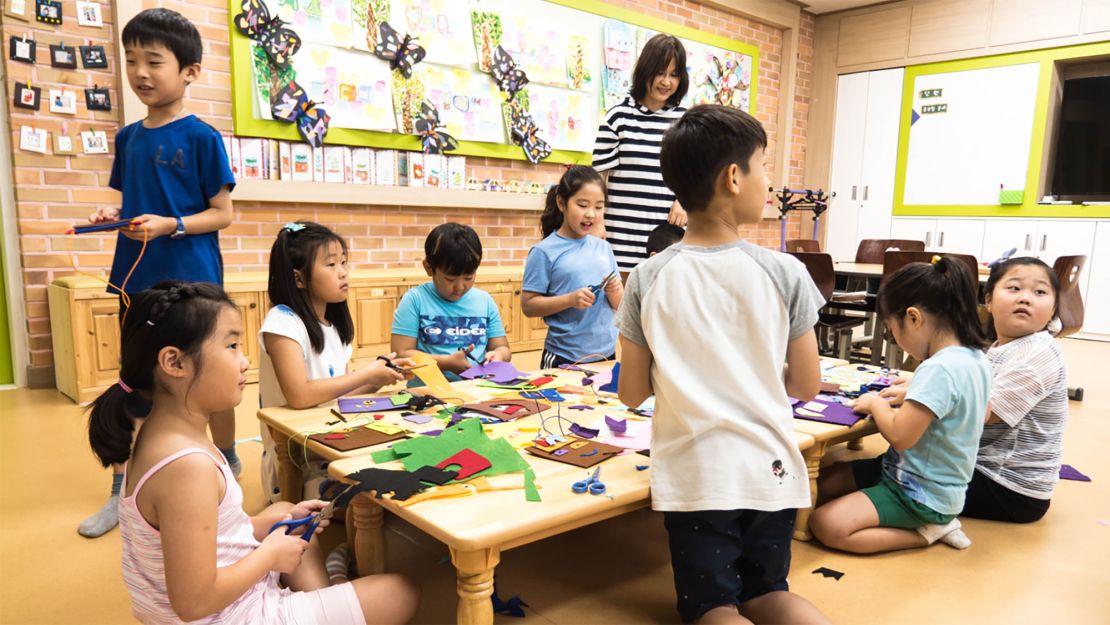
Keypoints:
pixel 54 191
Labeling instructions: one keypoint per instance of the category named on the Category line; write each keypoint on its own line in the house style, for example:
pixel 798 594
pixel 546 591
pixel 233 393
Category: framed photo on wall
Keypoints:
pixel 93 57
pixel 22 49
pixel 97 99
pixel 62 101
pixel 63 144
pixel 16 9
pixel 27 97
pixel 63 57
pixel 94 142
pixel 88 14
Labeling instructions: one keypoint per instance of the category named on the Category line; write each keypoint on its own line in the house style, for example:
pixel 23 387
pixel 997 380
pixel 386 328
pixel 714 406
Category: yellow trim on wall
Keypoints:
pixel 1029 208
pixel 246 125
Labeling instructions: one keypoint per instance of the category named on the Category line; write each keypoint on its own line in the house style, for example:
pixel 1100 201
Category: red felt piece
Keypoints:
pixel 468 461
pixel 540 381
pixel 335 437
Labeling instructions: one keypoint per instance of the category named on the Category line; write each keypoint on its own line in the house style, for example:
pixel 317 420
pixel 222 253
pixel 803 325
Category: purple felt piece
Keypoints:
pixel 349 405
pixel 583 432
pixel 618 426
pixel 417 418
pixel 497 372
pixel 599 380
pixel 1068 472
pixel 835 413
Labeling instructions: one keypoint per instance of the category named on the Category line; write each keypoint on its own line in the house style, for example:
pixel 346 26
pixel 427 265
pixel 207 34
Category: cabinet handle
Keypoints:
pixel 853 192
pixel 1044 241
pixel 940 243
pixel 252 306
pixel 1028 242
pixel 928 239
pixel 865 187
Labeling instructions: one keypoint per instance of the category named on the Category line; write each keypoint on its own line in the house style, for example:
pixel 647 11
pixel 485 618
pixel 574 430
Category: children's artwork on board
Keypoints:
pixel 268 80
pixel 619 59
pixel 578 62
pixel 366 20
pixel 48 12
pixel 257 23
pixel 32 139
pixel 94 142
pixel 321 21
pixel 62 101
pixel 293 106
pixel 408 94
pixel 487 33
pixel 718 76
pixel 442 27
pixel 354 87
pixel 88 14
pixel 63 143
pixel 566 118
pixel 16 9
pixel 538 45
pixel 469 103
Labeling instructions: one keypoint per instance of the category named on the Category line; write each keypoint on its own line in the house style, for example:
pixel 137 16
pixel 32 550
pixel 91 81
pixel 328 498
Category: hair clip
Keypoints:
pixel 150 323
pixel 293 227
pixel 936 259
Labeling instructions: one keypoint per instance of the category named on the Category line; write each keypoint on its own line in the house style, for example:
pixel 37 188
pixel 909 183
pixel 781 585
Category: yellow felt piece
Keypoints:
pixel 428 371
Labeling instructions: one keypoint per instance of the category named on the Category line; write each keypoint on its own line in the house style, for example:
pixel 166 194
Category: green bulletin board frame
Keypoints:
pixel 1029 206
pixel 246 125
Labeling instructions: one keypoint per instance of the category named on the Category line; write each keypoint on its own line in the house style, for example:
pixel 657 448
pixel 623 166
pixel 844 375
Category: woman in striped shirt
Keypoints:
pixel 628 143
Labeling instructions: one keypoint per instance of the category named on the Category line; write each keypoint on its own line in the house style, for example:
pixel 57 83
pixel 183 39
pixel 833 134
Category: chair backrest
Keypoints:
pixel 820 267
pixel 893 261
pixel 872 250
pixel 1070 300
pixel 803 245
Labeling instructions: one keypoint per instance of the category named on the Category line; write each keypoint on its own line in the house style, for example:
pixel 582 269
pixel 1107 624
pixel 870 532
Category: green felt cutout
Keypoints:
pixel 467 434
pixel 384 455
pixel 523 386
pixel 400 400
pixel 531 493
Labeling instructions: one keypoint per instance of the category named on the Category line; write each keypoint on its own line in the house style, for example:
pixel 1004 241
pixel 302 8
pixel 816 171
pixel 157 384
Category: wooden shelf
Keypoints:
pixel 374 195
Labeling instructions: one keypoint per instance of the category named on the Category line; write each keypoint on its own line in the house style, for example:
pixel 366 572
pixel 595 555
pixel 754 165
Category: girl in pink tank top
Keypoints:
pixel 190 552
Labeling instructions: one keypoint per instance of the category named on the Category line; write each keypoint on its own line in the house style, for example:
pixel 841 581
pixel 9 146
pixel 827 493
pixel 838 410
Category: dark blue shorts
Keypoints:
pixel 727 557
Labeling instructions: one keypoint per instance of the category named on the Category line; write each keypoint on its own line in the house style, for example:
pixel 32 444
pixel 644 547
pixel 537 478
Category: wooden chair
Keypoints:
pixel 820 267
pixel 872 250
pixel 1070 301
pixel 803 245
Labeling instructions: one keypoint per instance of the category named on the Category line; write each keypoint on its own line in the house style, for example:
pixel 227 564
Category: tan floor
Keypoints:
pixel 614 572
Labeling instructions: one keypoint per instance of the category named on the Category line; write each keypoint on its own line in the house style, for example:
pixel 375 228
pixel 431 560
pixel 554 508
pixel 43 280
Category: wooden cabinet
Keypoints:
pixel 85 326
pixel 956 236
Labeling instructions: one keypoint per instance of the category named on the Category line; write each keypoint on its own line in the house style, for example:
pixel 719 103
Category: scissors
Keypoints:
pixel 312 521
pixel 597 288
pixel 592 484
pixel 397 368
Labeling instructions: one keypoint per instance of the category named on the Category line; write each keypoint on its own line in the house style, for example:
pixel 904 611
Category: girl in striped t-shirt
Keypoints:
pixel 628 143
pixel 190 552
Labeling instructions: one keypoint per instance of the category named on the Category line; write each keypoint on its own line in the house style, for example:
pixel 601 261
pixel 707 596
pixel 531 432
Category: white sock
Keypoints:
pixel 336 565
pixel 103 521
pixel 949 534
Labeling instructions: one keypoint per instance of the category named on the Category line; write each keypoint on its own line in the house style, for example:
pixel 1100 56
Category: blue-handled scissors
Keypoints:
pixel 600 286
pixel 592 484
pixel 312 521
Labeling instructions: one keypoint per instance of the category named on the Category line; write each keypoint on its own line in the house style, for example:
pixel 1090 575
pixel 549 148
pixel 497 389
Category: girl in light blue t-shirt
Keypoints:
pixel 571 278
pixel 910 496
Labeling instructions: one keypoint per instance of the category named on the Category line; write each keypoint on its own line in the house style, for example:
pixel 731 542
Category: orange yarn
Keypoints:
pixel 124 297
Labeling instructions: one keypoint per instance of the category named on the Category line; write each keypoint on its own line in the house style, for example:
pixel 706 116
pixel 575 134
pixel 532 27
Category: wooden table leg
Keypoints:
pixel 813 457
pixel 368 545
pixel 475 584
pixel 855 444
pixel 290 477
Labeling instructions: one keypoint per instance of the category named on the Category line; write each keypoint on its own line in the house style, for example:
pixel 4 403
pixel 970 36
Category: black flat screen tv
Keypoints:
pixel 1082 169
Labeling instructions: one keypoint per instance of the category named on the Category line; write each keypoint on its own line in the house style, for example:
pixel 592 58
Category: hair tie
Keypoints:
pixel 123 385
pixel 293 227
pixel 936 259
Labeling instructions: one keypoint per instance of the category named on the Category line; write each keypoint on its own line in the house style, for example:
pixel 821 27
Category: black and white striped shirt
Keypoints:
pixel 628 142
pixel 1029 393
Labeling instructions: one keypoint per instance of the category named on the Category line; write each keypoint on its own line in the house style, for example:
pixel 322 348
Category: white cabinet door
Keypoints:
pixel 843 214
pixel 880 153
pixel 1066 237
pixel 960 236
pixel 1003 235
pixel 1096 313
pixel 914 228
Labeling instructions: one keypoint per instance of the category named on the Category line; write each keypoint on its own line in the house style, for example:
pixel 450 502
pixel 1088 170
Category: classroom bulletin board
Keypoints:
pixel 578 56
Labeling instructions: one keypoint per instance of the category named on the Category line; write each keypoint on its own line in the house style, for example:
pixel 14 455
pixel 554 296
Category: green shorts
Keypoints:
pixel 895 508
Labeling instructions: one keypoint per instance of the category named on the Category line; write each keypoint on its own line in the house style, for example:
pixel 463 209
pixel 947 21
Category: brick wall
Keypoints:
pixel 54 191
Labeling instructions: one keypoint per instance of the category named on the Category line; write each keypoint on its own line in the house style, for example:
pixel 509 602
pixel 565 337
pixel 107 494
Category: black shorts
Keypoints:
pixel 987 499
pixel 727 557
pixel 551 360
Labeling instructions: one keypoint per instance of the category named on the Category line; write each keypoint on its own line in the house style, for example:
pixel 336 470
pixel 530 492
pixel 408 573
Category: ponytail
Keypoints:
pixel 171 314
pixel 946 289
pixel 574 178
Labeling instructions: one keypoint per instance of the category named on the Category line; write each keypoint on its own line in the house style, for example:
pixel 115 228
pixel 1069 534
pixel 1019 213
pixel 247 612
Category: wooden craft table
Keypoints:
pixel 476 529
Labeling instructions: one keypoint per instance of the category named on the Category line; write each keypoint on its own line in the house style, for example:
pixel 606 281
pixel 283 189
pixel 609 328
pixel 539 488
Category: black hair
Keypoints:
pixel 454 249
pixel 657 54
pixel 170 314
pixel 702 143
pixel 167 28
pixel 664 236
pixel 574 178
pixel 945 289
pixel 1000 270
pixel 296 249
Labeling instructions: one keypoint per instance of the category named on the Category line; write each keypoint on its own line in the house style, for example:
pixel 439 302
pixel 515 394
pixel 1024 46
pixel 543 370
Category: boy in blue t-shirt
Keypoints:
pixel 176 182
pixel 447 318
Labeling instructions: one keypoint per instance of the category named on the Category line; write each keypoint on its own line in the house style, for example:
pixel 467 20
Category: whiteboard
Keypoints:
pixel 978 142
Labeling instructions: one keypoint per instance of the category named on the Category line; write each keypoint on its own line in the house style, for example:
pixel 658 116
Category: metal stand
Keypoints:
pixel 800 199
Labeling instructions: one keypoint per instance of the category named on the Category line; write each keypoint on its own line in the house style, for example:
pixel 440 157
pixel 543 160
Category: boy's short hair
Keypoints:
pixel 664 236
pixel 168 28
pixel 704 141
pixel 453 249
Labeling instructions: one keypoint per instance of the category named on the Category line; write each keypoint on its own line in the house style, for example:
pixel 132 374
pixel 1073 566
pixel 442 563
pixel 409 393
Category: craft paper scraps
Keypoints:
pixel 468 434
pixel 496 371
pixel 1068 472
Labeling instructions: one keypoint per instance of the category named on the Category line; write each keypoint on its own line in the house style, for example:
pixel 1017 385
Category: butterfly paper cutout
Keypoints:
pixel 279 42
pixel 432 136
pixel 509 77
pixel 402 54
pixel 293 106
pixel 524 134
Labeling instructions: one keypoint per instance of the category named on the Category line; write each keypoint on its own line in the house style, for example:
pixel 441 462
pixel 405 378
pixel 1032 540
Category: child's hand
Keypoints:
pixel 307 507
pixel 864 404
pixel 493 356
pixel 379 374
pixel 582 298
pixel 614 286
pixel 155 226
pixel 459 362
pixel 286 550
pixel 104 215
pixel 895 394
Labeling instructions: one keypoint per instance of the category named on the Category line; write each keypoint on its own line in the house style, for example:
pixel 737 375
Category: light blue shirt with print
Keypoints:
pixel 558 265
pixel 955 385
pixel 442 327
